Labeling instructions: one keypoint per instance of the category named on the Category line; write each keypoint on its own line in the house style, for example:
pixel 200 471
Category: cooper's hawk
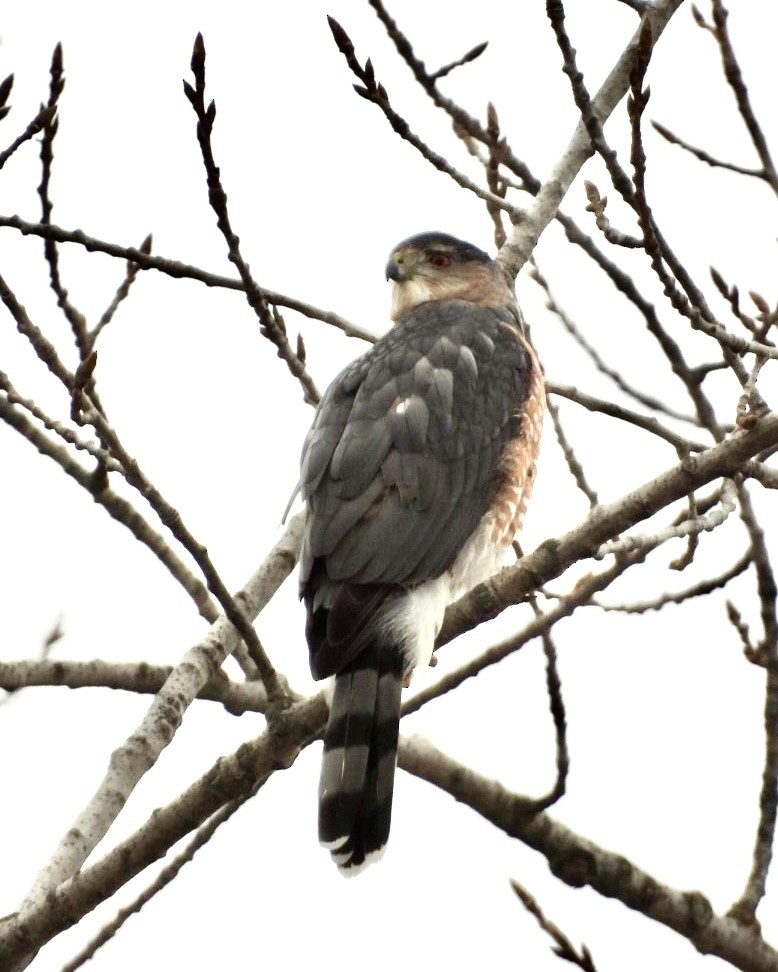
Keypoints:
pixel 416 473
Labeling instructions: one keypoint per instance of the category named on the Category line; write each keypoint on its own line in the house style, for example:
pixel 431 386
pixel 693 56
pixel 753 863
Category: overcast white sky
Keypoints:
pixel 665 724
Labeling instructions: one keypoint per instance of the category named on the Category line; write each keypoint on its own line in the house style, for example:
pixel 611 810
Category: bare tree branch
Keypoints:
pixel 272 327
pixel 140 677
pixel 229 779
pixel 729 436
pixel 96 484
pixel 701 589
pixel 372 91
pixel 580 863
pixel 177 270
pixel 734 77
pixel 526 233
pixel 563 946
pixel 744 910
pixel 704 156
pixel 137 755
pixel 163 879
pixel 605 521
pixel 647 423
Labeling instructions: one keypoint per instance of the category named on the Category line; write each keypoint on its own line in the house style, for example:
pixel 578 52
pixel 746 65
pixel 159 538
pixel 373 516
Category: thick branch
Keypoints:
pixel 579 862
pixel 521 243
pixel 140 677
pixel 555 556
pixel 230 778
pixel 141 750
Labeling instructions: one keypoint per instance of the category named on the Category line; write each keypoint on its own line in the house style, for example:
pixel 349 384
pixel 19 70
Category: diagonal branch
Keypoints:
pixel 138 754
pixel 563 947
pixel 520 244
pixel 376 93
pixel 177 270
pixel 271 326
pixel 646 422
pixel 704 156
pixel 96 484
pixel 274 683
pixel 163 879
pixel 228 779
pixel 55 905
pixel 734 77
pixel 39 122
pixel 604 522
pixel 581 863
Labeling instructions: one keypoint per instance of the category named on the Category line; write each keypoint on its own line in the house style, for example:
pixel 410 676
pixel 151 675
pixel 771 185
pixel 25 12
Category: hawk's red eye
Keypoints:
pixel 438 259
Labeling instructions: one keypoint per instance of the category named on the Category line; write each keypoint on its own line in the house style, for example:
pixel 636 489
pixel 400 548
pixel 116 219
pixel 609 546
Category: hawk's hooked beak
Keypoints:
pixel 399 267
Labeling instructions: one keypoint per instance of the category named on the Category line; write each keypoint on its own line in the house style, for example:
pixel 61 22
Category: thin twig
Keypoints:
pixel 40 343
pixel 734 77
pixel 121 294
pixel 471 55
pixel 744 909
pixel 693 539
pixel 376 93
pixel 567 605
pixel 270 327
pixel 751 405
pixel 749 650
pixel 274 684
pixel 96 484
pixel 563 947
pixel 573 464
pixel 40 121
pixel 162 880
pixel 691 303
pixel 701 589
pixel 178 270
pixel 597 205
pixel 497 186
pixel 74 316
pixel 704 156
pixel 732 297
pixel 646 422
pixel 464 123
pixel 625 284
pixel 557 708
pixel 68 435
pixel 629 290
pixel 699 524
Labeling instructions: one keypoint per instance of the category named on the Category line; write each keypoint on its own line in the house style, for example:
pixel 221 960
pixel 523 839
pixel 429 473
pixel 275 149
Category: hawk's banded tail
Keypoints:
pixel 360 755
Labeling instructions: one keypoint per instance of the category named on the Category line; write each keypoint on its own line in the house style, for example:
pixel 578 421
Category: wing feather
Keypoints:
pixel 403 458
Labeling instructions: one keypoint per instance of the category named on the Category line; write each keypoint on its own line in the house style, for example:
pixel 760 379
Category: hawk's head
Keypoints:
pixel 436 266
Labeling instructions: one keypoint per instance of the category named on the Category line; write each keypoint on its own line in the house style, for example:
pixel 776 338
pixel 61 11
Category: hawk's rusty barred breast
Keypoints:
pixel 416 473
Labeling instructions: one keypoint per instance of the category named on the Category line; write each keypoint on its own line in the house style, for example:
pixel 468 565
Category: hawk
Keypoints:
pixel 416 474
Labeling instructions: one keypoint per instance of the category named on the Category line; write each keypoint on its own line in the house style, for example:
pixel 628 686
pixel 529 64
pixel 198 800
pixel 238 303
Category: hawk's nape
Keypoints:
pixel 416 474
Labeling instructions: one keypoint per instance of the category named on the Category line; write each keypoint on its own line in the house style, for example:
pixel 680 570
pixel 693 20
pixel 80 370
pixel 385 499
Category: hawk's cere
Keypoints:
pixel 416 473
